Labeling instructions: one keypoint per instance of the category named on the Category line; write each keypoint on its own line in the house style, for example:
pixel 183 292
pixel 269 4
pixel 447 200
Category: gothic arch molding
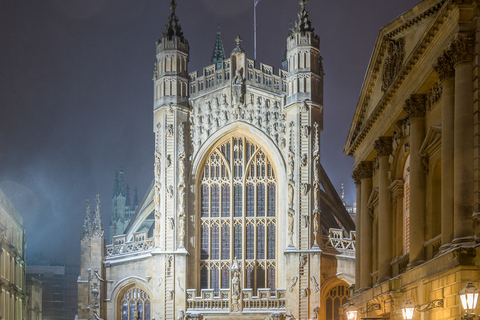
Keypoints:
pixel 122 286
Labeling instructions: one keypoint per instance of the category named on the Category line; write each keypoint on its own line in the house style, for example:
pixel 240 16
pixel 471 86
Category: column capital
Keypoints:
pixel 415 106
pixel 444 65
pixel 364 170
pixel 383 146
pixel 462 47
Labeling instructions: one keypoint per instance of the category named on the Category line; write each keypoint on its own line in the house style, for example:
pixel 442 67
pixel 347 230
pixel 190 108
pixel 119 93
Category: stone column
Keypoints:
pixel 444 67
pixel 396 189
pixel 365 171
pixel 415 107
pixel 462 50
pixel 383 146
pixel 358 220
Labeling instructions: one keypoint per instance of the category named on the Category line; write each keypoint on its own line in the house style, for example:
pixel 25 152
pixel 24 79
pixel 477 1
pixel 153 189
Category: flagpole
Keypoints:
pixel 254 30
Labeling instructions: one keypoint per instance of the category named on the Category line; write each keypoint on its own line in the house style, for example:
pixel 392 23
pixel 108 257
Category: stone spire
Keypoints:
pixel 303 24
pixel 218 54
pixel 127 196
pixel 87 223
pixel 173 28
pixel 97 229
pixel 115 184
pixel 121 183
pixel 135 198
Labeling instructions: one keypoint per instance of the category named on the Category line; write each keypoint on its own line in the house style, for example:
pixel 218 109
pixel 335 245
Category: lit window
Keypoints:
pixel 237 216
pixel 135 305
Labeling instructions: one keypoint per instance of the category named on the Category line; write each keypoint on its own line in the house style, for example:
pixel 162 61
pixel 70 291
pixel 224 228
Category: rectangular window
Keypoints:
pixel 250 200
pixel 215 240
pixel 226 200
pixel 215 201
pixel 271 200
pixel 271 241
pixel 260 200
pixel 250 241
pixel 204 201
pixel 238 200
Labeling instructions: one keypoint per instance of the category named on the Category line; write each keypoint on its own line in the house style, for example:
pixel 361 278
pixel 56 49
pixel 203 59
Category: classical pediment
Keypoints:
pixel 397 51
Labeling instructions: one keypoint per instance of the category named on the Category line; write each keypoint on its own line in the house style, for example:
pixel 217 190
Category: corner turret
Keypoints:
pixel 171 66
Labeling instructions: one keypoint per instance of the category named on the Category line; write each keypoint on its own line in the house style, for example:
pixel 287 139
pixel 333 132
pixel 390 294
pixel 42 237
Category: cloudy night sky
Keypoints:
pixel 76 93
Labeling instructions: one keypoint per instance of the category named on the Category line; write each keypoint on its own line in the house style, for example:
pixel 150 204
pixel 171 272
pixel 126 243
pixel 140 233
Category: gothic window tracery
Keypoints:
pixel 135 305
pixel 336 298
pixel 237 216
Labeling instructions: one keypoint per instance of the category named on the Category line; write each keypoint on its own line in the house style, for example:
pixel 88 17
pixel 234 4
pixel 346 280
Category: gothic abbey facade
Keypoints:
pixel 241 220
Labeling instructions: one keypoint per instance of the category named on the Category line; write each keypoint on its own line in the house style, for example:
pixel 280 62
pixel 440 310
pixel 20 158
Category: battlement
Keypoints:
pixel 213 78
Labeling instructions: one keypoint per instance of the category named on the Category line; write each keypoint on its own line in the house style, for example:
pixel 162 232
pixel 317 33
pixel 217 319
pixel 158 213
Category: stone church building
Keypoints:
pixel 415 137
pixel 241 220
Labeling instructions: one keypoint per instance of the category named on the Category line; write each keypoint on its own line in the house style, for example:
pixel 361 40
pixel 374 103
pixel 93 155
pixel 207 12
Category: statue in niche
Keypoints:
pixel 224 100
pixel 181 229
pixel 158 169
pixel 170 191
pixel 181 167
pixel 209 107
pixel 235 271
pixel 238 86
pixel 304 160
pixel 304 107
pixel 168 161
pixel 170 130
pixel 170 223
pixel 157 223
pixel 192 119
pixel 215 102
pixel 291 164
pixel 225 117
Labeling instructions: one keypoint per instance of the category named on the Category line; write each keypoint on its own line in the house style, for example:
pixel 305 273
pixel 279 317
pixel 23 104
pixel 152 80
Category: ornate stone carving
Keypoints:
pixel 169 130
pixel 415 106
pixel 462 47
pixel 158 168
pixel 235 274
pixel 316 185
pixel 434 95
pixel 168 161
pixel 170 192
pixel 169 294
pixel 314 282
pixel 304 107
pixel 171 223
pixel 303 260
pixel 238 86
pixel 97 225
pixel 181 314
pixel 365 169
pixel 393 61
pixel 305 131
pixel 87 224
pixel 383 146
pixel 293 282
pixel 304 160
pixel 305 187
pixel 444 65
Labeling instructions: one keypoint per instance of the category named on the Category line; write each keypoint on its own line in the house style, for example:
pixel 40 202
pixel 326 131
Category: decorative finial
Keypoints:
pixel 238 40
pixel 238 49
pixel 303 3
pixel 173 5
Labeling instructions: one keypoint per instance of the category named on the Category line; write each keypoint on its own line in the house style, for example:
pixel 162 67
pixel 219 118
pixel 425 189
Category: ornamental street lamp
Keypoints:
pixel 351 312
pixel 407 310
pixel 469 298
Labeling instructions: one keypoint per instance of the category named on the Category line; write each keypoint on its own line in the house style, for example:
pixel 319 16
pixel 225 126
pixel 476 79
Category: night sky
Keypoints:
pixel 76 93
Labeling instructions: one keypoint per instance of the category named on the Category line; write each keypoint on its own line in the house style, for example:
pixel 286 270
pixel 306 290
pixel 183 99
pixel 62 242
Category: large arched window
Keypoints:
pixel 238 194
pixel 135 305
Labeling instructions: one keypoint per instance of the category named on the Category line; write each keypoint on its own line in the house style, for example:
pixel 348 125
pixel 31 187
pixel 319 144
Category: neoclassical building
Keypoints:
pixel 415 139
pixel 241 220
pixel 12 262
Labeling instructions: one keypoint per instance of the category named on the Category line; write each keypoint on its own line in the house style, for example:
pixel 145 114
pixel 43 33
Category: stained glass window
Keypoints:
pixel 135 305
pixel 225 242
pixel 227 198
pixel 250 241
pixel 260 241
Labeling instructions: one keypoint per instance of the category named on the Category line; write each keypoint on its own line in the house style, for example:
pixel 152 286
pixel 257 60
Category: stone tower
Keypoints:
pixel 170 124
pixel 304 118
pixel 91 283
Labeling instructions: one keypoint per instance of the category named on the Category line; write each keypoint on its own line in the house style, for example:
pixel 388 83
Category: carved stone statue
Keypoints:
pixel 238 90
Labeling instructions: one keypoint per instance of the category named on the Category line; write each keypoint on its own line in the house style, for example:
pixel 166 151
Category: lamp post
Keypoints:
pixel 469 298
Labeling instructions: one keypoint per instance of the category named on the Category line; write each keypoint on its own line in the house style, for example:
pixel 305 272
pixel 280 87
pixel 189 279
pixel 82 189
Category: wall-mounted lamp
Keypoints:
pixel 469 298
pixel 351 312
pixel 409 308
